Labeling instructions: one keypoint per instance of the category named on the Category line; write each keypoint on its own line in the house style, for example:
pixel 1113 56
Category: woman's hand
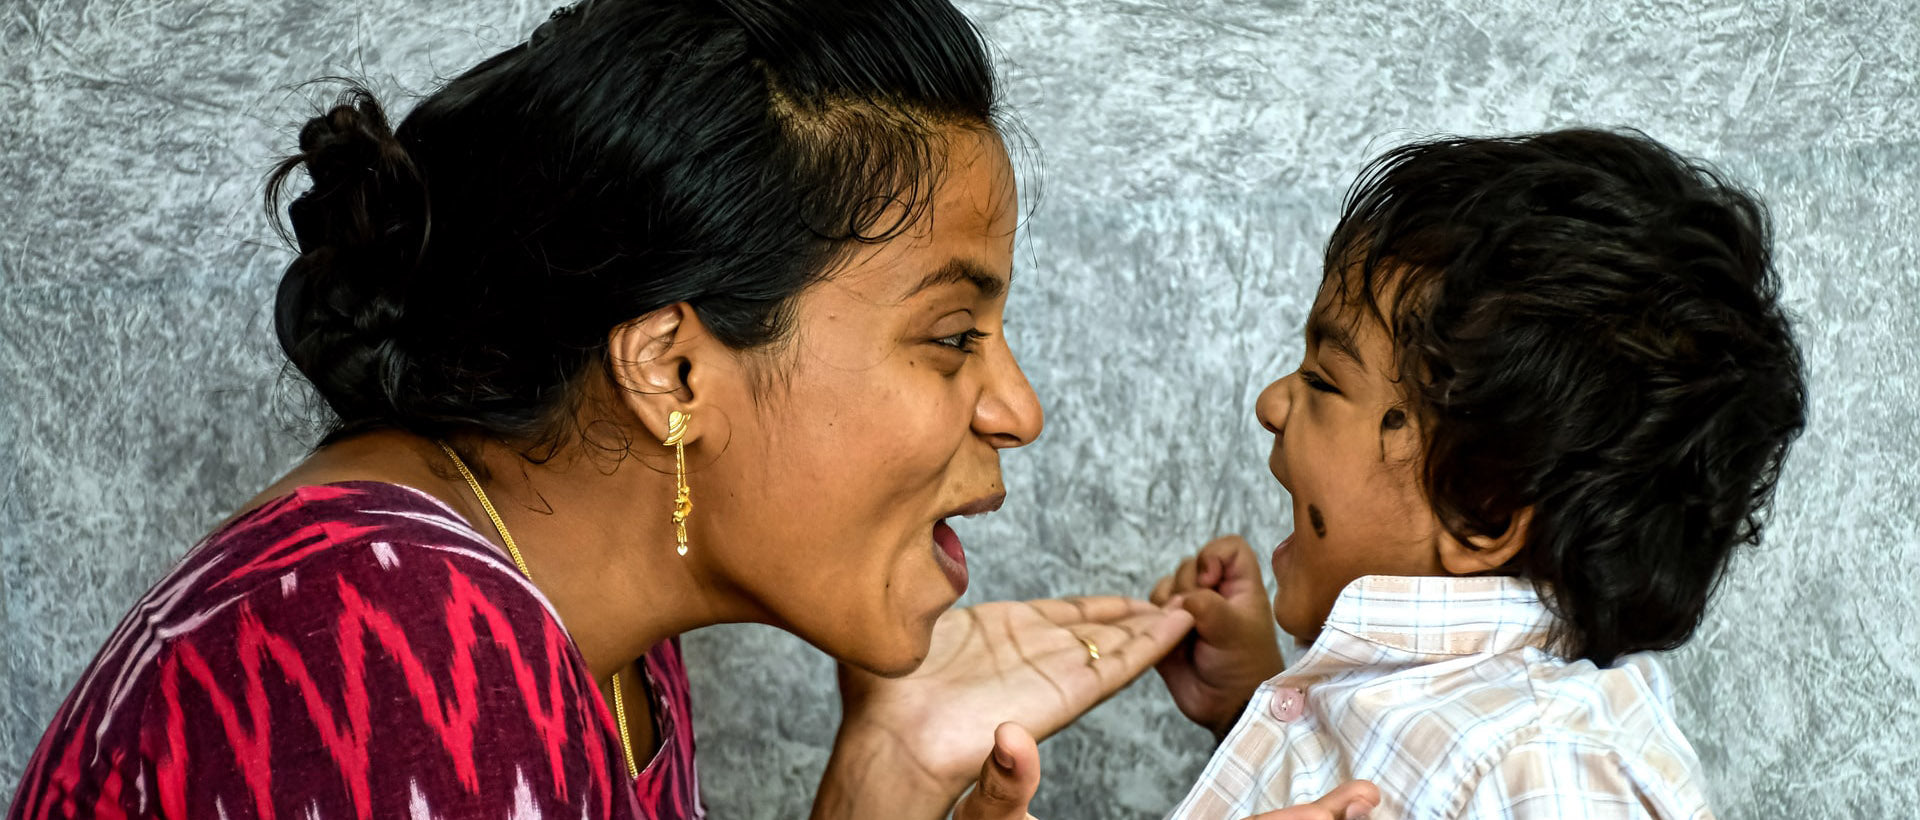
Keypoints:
pixel 1348 801
pixel 1011 775
pixel 1024 662
pixel 1233 648
pixel 1008 778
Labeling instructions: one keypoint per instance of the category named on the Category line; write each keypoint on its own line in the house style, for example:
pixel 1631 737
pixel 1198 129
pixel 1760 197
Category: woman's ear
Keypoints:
pixel 659 363
pixel 1481 554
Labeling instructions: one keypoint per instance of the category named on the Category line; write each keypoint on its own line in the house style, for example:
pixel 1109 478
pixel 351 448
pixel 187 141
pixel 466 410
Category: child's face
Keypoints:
pixel 1347 450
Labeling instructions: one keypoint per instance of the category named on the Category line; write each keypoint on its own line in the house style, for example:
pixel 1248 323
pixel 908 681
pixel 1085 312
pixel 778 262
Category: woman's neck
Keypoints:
pixel 603 556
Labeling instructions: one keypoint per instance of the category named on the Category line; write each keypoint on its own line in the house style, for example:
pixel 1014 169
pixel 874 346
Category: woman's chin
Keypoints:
pixel 891 637
pixel 891 662
pixel 897 653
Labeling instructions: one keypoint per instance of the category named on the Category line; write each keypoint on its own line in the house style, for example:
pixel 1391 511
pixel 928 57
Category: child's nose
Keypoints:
pixel 1273 405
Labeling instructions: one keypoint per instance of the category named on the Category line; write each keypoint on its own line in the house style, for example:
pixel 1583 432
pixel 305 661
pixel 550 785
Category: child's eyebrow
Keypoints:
pixel 1322 330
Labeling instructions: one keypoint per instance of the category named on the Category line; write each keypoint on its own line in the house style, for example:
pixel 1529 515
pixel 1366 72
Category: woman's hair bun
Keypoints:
pixel 365 187
pixel 360 229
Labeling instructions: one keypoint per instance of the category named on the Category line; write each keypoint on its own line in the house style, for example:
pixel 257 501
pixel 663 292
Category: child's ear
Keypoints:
pixel 1481 554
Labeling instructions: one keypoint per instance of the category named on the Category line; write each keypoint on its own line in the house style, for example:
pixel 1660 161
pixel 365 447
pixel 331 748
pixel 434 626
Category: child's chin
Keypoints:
pixel 1302 638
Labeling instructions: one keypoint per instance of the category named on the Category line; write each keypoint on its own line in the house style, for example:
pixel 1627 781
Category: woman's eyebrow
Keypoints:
pixel 963 271
pixel 1322 330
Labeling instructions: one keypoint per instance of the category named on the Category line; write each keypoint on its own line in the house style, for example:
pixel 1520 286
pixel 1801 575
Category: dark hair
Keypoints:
pixel 1588 324
pixel 460 274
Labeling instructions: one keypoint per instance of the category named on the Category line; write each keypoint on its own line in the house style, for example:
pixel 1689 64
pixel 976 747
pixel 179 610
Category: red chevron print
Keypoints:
pixel 351 651
pixel 291 549
pixel 248 743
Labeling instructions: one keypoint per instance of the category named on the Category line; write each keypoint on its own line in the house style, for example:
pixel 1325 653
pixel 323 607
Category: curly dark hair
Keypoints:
pixel 1587 324
pixel 461 273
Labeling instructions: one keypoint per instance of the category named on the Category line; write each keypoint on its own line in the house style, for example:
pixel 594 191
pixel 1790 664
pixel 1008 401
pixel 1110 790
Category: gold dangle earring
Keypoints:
pixel 682 497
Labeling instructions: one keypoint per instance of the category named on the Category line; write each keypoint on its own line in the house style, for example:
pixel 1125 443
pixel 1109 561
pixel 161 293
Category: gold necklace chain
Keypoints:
pixel 619 701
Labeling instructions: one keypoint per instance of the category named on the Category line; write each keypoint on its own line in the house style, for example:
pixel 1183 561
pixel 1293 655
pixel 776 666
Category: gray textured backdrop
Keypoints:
pixel 1194 152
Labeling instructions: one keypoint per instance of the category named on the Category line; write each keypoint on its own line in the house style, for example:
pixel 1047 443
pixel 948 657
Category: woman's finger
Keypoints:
pixel 1009 778
pixel 1133 646
pixel 1090 609
pixel 1092 661
pixel 1117 633
pixel 1348 801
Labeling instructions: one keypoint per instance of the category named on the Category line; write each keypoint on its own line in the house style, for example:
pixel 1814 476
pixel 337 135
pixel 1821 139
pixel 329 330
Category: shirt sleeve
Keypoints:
pixel 396 681
pixel 1577 779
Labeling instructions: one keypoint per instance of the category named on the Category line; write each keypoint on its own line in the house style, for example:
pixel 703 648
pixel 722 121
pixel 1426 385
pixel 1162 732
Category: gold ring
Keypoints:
pixel 1093 652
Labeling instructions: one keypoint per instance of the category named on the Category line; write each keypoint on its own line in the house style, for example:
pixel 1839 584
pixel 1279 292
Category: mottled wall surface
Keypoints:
pixel 1194 153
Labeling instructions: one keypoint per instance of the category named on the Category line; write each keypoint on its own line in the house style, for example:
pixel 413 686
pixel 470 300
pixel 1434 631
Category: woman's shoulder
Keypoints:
pixel 341 527
pixel 360 638
pixel 356 504
pixel 322 568
pixel 326 555
pixel 312 575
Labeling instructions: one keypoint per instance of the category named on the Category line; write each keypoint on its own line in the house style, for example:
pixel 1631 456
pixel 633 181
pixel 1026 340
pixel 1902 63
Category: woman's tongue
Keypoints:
pixel 951 558
pixel 949 542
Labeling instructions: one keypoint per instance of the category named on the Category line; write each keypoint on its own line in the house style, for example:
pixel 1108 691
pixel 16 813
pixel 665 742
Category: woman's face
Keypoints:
pixel 884 416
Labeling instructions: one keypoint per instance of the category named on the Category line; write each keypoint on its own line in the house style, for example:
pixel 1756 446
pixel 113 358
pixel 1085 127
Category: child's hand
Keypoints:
pixel 1233 648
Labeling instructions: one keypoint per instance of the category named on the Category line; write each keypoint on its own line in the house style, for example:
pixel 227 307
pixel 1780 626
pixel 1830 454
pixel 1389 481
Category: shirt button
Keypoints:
pixel 1287 704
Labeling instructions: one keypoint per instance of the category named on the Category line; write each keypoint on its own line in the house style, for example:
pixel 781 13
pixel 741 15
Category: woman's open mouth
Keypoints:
pixel 950 555
pixel 947 551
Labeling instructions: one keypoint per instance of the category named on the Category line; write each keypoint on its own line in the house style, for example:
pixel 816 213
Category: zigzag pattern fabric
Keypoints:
pixel 352 650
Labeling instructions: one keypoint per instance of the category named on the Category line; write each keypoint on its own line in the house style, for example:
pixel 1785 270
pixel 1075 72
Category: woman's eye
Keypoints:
pixel 1313 380
pixel 965 341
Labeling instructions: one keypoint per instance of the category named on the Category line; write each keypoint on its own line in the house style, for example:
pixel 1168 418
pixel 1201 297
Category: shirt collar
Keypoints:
pixel 1440 616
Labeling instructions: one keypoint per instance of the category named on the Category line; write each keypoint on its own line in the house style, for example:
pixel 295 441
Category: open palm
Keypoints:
pixel 1022 661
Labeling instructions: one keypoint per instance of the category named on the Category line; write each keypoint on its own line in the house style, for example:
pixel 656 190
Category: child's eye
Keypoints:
pixel 965 341
pixel 1313 380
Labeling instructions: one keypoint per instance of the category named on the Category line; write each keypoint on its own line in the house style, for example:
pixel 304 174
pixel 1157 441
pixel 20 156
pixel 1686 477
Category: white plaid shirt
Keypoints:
pixel 1441 692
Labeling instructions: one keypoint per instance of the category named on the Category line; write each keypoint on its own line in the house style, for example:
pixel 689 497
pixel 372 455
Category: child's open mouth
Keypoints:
pixel 1278 553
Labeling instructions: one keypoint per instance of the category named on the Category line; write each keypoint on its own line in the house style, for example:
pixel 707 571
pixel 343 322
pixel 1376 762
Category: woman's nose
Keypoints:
pixel 1274 404
pixel 1009 413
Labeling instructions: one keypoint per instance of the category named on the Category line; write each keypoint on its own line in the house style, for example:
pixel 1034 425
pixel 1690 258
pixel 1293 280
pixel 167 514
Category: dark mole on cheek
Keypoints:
pixel 1319 522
